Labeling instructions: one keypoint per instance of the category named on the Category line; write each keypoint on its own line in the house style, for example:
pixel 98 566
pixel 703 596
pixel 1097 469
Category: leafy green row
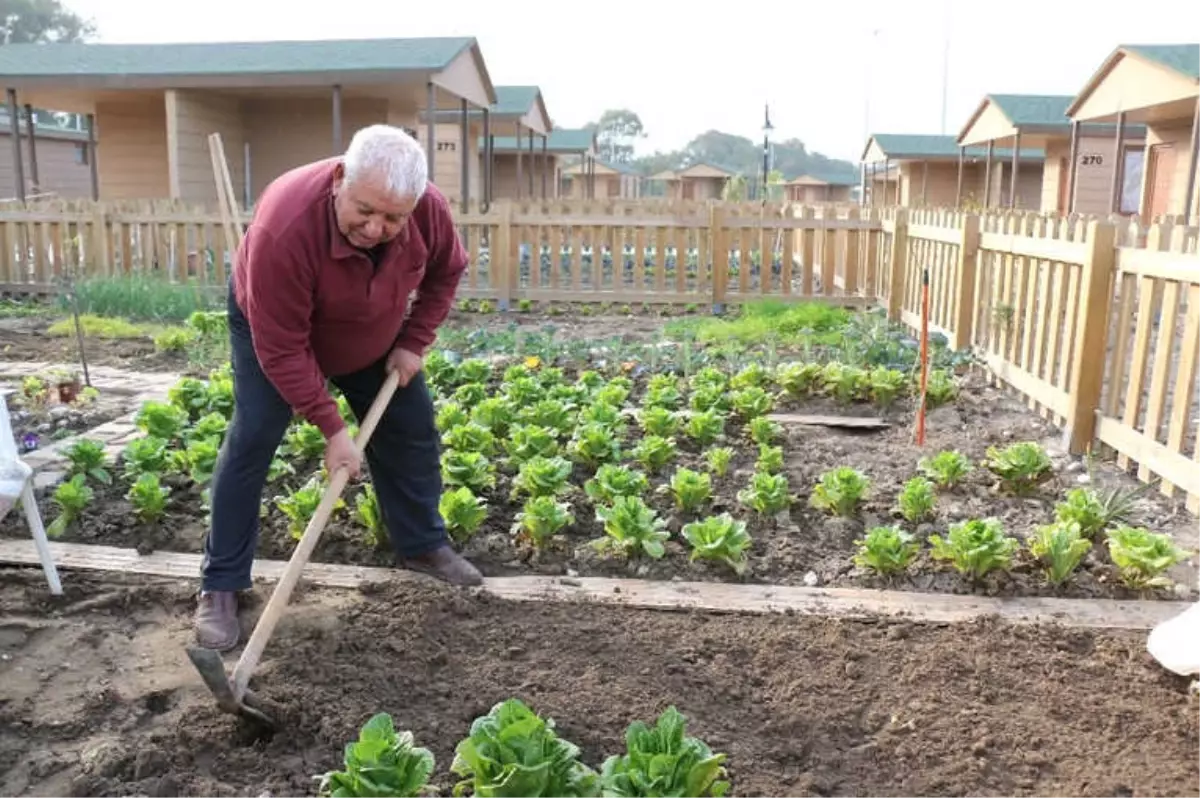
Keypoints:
pixel 513 751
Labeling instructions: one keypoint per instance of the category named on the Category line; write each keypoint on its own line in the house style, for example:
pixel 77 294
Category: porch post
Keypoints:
pixel 1071 167
pixel 987 176
pixel 430 126
pixel 924 180
pixel 464 158
pixel 1012 180
pixel 862 184
pixel 962 154
pixel 33 164
pixel 532 164
pixel 91 145
pixel 14 122
pixel 247 184
pixel 485 203
pixel 337 120
pixel 520 164
pixel 1189 197
pixel 545 164
pixel 1114 195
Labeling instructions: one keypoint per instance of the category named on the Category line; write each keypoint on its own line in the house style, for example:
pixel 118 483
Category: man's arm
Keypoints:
pixel 279 296
pixel 447 262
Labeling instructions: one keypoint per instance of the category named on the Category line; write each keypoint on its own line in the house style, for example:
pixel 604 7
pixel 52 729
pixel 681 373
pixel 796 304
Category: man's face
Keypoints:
pixel 367 214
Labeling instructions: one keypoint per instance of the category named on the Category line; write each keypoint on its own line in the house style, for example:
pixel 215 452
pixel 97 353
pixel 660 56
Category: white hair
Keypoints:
pixel 387 155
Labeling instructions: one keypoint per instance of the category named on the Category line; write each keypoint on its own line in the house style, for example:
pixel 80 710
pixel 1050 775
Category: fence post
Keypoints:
pixel 720 256
pixel 1091 336
pixel 500 254
pixel 897 260
pixel 964 309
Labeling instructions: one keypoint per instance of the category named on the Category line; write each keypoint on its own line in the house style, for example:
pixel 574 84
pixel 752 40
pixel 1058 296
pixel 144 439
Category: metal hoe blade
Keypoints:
pixel 212 671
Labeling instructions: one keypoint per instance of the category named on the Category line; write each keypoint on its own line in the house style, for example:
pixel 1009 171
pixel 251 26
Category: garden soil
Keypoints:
pixel 97 696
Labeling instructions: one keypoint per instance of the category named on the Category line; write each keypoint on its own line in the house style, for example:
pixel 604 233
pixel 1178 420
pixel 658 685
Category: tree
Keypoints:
pixel 615 133
pixel 42 22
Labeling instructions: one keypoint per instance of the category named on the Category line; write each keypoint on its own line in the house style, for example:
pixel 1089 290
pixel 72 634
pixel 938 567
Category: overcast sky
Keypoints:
pixel 687 67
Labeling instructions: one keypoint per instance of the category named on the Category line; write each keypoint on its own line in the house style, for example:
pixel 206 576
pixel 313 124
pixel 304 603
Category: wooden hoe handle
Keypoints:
pixel 312 533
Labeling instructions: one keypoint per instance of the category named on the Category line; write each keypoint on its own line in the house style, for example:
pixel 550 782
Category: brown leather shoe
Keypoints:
pixel 445 564
pixel 217 620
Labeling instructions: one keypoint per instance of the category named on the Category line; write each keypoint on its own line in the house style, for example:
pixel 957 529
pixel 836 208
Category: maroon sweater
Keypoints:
pixel 318 307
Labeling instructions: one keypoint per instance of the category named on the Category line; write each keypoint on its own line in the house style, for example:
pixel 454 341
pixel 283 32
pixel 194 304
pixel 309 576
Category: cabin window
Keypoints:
pixel 81 154
pixel 1131 179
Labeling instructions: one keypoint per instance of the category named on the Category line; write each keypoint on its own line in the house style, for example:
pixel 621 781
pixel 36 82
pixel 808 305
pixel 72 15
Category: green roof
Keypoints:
pixel 511 101
pixel 916 146
pixel 229 58
pixel 514 100
pixel 1183 58
pixel 1050 111
pixel 560 140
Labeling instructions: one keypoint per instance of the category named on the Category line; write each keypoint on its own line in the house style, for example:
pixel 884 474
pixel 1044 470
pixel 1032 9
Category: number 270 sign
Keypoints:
pixel 1091 160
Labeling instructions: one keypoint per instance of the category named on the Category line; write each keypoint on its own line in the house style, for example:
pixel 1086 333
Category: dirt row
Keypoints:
pixel 98 697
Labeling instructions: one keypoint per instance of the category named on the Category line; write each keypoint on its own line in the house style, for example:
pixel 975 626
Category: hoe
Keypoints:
pixel 231 692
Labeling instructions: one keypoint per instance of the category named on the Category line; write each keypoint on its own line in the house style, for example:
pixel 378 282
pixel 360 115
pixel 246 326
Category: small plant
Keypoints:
pixel 513 751
pixel 468 469
pixel 72 498
pixel 763 431
pixel 946 468
pixel 660 421
pixel 654 453
pixel 1095 511
pixel 691 489
pixel 369 516
pixel 470 437
pixel 705 427
pixel 767 493
pixel 770 459
pixel 1021 467
pixel 542 476
pixel 1142 556
pixel 721 538
pixel 300 505
pixel 148 497
pixel 594 444
pixel 86 457
pixel 541 518
pixel 917 500
pixel 1060 546
pixel 840 491
pixel 612 480
pixel 886 385
pixel 975 547
pixel 381 762
pixel 463 513
pixel 717 459
pixel 886 550
pixel 631 526
pixel 663 761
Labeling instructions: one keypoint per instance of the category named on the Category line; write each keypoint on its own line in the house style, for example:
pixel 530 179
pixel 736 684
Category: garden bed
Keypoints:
pixel 801 544
pixel 100 700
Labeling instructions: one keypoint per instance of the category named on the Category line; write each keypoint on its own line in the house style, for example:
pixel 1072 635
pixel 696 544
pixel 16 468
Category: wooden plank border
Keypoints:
pixel 648 594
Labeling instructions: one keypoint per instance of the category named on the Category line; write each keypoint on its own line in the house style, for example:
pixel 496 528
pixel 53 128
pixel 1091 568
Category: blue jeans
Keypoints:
pixel 403 457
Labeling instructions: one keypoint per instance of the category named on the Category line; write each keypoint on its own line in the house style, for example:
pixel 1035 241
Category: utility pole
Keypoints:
pixel 767 128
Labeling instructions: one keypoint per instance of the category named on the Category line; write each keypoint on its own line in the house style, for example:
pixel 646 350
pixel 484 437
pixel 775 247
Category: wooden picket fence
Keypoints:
pixel 1095 322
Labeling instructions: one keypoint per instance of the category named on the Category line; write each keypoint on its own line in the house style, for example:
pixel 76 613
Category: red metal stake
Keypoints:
pixel 924 354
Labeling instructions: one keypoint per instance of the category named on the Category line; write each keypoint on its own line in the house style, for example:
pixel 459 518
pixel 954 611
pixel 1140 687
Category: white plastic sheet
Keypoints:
pixel 1175 643
pixel 13 471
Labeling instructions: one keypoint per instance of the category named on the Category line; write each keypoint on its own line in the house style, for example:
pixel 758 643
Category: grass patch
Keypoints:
pixel 99 327
pixel 767 320
pixel 144 298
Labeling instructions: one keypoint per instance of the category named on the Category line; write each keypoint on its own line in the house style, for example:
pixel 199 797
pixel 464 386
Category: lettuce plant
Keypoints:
pixel 1021 467
pixel 691 489
pixel 886 550
pixel 463 513
pixel 72 497
pixel 916 500
pixel 631 527
pixel 840 491
pixel 1060 546
pixel 148 497
pixel 542 518
pixel 766 494
pixel 369 516
pixel 717 459
pixel 381 762
pixel 512 752
pixel 664 761
pixel 612 480
pixel 721 538
pixel 1142 556
pixel 975 547
pixel 86 457
pixel 946 468
pixel 705 427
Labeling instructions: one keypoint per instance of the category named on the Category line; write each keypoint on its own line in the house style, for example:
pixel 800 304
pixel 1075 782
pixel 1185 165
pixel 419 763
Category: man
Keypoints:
pixel 319 291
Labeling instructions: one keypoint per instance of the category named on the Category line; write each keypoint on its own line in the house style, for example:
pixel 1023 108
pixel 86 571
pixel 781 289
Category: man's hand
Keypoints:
pixel 340 451
pixel 405 364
